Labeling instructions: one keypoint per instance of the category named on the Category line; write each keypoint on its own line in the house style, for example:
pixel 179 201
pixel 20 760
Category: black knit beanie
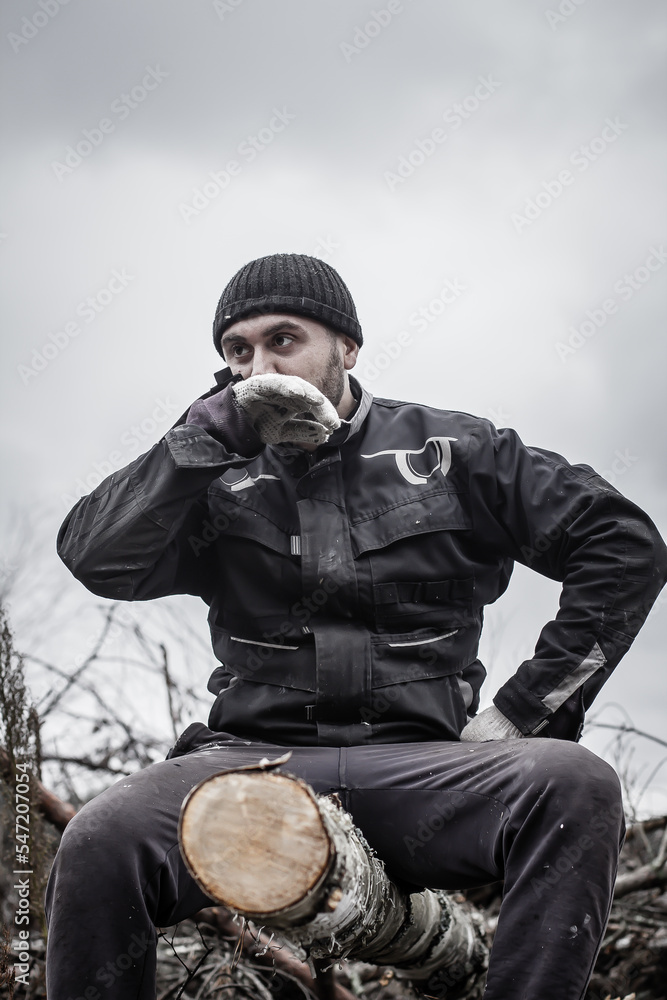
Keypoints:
pixel 289 283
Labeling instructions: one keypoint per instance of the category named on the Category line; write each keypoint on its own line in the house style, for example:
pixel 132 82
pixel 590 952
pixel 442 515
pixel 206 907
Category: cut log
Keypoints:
pixel 265 846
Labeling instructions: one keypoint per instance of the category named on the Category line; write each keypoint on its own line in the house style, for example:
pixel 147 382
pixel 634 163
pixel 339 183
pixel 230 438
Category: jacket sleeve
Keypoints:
pixel 569 524
pixel 145 531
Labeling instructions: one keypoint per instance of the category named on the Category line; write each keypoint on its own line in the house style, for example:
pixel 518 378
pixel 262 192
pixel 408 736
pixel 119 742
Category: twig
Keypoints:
pixel 73 678
pixel 89 765
pixel 661 856
pixel 629 729
pixel 283 961
pixel 171 687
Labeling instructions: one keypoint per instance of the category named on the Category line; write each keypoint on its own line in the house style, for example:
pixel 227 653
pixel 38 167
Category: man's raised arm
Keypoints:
pixel 128 540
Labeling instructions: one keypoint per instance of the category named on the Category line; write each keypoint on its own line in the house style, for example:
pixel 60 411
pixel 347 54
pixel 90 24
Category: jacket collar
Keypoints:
pixel 352 425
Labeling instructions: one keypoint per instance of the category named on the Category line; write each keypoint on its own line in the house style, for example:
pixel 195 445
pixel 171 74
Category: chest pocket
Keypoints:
pixel 259 576
pixel 416 559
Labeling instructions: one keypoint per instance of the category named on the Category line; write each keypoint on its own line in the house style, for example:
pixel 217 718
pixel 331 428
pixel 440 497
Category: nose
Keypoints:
pixel 262 362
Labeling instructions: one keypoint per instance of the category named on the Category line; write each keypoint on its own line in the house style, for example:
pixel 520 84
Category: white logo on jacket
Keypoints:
pixel 418 466
pixel 246 481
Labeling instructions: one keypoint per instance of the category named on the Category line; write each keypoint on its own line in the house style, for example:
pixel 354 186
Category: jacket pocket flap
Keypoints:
pixel 417 516
pixel 233 518
pixel 397 659
pixel 282 664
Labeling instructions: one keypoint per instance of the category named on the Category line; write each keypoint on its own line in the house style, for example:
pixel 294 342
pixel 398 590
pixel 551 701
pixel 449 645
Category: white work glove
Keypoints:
pixel 490 724
pixel 286 409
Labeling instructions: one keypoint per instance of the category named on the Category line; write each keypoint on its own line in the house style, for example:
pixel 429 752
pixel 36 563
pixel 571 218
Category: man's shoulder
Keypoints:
pixel 424 411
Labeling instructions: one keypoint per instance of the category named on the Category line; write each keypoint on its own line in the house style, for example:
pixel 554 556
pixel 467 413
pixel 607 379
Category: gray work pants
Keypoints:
pixel 544 815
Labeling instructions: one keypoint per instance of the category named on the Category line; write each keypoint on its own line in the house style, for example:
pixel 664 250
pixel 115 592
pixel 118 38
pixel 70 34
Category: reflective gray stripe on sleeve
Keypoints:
pixel 586 668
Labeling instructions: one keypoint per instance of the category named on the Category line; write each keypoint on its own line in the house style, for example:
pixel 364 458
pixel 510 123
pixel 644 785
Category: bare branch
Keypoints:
pixel 73 678
pixel 171 687
pixel 621 728
pixel 88 764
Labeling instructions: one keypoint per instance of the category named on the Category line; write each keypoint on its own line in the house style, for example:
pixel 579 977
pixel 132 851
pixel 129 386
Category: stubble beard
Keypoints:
pixel 332 383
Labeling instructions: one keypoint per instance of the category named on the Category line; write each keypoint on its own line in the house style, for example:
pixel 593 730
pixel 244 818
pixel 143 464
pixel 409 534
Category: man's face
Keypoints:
pixel 291 345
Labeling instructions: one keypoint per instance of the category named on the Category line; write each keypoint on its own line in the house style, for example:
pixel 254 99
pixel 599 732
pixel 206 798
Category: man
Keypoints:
pixel 347 547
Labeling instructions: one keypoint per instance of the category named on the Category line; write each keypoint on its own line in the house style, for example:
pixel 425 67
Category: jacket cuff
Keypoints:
pixel 522 707
pixel 192 447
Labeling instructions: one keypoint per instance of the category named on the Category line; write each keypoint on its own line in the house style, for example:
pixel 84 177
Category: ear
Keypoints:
pixel 351 350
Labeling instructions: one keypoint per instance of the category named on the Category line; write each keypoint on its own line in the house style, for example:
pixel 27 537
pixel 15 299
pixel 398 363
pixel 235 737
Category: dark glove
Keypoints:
pixel 221 416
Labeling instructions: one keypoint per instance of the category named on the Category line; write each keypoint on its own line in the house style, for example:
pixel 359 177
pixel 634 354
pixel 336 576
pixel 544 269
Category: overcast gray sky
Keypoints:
pixel 487 176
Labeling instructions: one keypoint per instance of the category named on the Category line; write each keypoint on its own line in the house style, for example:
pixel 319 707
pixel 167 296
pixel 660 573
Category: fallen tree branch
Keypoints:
pixel 647 877
pixel 650 875
pixel 261 949
pixel 58 813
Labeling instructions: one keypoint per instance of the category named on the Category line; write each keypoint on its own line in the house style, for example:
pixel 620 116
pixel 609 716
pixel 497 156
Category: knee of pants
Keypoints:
pixel 97 829
pixel 88 849
pixel 584 783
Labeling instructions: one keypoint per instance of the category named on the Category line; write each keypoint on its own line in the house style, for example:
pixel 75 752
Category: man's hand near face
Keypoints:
pixel 266 409
pixel 286 409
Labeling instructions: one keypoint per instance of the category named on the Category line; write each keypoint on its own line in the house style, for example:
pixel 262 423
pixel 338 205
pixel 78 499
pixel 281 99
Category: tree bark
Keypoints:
pixel 263 845
pixel 57 812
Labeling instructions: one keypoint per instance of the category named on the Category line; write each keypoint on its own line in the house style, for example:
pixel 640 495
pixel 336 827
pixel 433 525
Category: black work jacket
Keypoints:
pixel 346 587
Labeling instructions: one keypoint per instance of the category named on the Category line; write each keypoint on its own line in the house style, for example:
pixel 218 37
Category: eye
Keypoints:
pixel 238 350
pixel 287 340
